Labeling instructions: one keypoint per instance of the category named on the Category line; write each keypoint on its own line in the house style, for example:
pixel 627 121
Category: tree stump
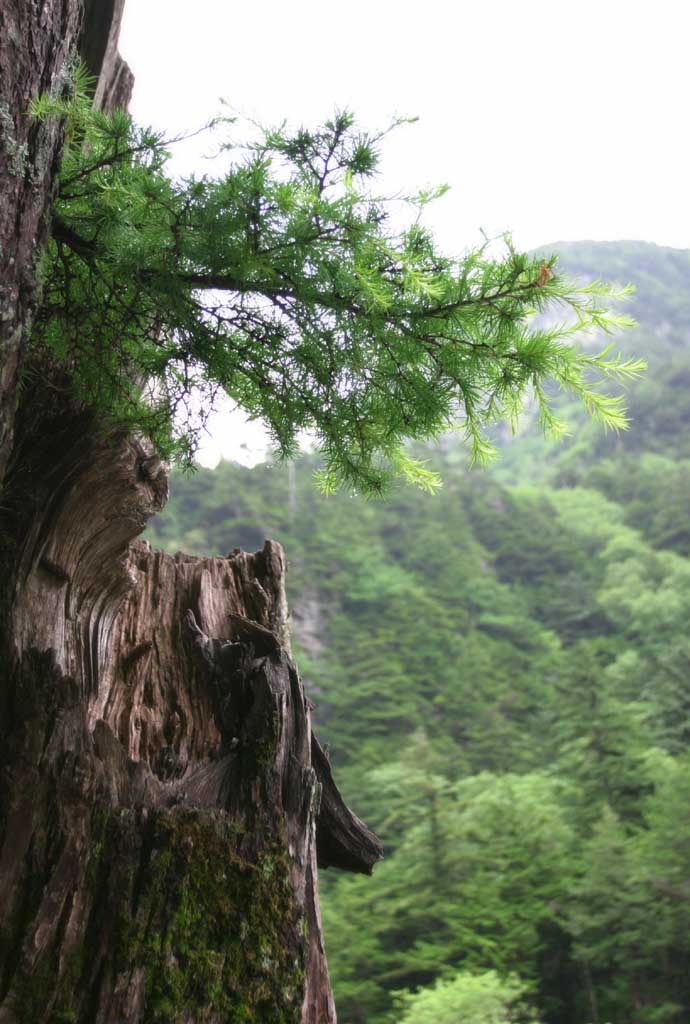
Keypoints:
pixel 163 798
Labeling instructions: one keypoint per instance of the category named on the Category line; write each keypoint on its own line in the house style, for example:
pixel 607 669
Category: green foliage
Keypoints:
pixel 501 674
pixel 289 285
pixel 473 881
pixel 471 998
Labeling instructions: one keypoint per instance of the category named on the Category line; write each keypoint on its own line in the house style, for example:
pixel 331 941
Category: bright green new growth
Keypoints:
pixel 468 998
pixel 287 285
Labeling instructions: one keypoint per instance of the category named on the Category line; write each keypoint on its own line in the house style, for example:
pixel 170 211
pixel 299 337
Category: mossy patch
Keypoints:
pixel 217 935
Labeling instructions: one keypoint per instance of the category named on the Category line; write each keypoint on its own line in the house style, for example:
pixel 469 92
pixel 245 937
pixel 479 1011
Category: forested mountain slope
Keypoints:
pixel 502 673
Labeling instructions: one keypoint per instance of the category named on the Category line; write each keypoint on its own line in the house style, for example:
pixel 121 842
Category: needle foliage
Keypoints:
pixel 289 285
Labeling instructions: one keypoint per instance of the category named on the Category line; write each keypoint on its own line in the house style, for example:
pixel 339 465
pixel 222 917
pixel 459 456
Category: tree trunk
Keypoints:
pixel 35 44
pixel 163 802
pixel 38 48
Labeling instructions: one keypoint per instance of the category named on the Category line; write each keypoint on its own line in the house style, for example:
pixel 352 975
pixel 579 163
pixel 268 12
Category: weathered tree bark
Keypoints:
pixel 36 41
pixel 163 802
pixel 39 44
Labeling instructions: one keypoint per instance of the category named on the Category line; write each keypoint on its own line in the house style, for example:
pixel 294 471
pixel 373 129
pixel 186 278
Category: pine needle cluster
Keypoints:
pixel 289 285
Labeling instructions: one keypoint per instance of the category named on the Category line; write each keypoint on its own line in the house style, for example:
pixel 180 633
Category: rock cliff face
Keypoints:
pixel 162 799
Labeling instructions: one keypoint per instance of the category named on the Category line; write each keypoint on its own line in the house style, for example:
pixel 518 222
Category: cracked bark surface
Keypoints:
pixel 163 802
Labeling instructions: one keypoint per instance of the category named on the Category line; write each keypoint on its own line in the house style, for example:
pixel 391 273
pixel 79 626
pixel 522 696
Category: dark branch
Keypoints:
pixel 342 840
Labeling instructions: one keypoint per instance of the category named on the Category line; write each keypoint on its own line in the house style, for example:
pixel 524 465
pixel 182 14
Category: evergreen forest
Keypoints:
pixel 501 672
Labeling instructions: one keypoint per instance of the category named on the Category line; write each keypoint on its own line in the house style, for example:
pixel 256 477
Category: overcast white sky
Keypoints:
pixel 554 120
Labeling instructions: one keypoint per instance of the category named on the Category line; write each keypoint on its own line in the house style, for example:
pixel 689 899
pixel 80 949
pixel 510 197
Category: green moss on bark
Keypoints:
pixel 216 934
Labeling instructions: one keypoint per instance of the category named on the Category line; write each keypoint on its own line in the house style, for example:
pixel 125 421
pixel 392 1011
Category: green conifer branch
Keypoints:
pixel 288 285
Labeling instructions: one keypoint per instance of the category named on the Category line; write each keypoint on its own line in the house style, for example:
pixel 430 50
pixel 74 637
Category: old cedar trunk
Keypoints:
pixel 163 802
